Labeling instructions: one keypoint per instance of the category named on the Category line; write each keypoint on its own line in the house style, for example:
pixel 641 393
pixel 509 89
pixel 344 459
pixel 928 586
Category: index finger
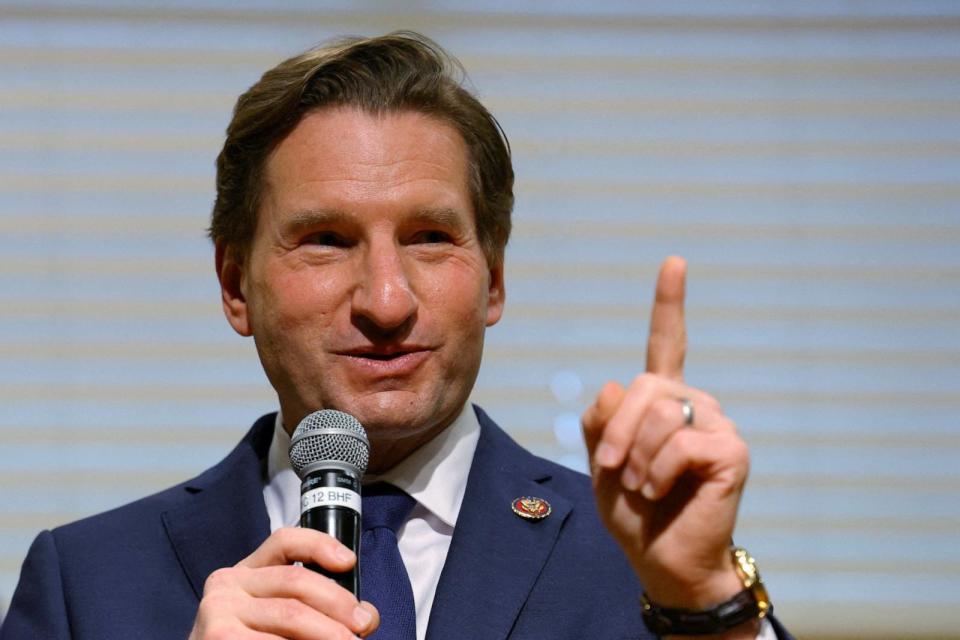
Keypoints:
pixel 295 544
pixel 667 344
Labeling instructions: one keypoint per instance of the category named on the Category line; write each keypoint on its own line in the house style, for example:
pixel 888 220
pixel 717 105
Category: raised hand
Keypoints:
pixel 668 488
pixel 266 596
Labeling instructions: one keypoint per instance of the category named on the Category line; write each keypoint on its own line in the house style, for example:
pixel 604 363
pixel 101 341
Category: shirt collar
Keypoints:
pixel 282 490
pixel 435 475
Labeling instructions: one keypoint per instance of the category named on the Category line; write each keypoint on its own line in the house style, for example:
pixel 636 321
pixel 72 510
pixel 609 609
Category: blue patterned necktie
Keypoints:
pixel 383 576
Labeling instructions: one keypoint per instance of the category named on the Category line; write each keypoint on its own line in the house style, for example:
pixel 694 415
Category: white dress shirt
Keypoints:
pixel 435 475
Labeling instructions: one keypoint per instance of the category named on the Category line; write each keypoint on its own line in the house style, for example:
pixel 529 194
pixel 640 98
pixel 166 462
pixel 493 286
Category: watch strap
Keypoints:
pixel 664 621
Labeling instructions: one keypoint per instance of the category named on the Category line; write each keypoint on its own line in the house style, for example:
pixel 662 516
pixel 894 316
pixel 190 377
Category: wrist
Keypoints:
pixel 735 617
pixel 700 591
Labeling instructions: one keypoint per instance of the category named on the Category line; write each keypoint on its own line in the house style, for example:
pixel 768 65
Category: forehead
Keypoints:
pixel 354 155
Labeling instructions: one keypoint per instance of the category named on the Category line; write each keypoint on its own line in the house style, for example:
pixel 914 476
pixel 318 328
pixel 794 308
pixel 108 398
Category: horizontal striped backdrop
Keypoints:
pixel 804 157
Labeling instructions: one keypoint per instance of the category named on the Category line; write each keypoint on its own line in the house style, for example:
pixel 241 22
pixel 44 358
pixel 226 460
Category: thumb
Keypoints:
pixel 596 416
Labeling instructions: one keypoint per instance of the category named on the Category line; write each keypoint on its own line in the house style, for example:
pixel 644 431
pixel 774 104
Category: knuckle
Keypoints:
pixel 214 602
pixel 685 442
pixel 642 380
pixel 291 612
pixel 664 411
pixel 213 614
pixel 219 579
pixel 733 449
pixel 297 579
pixel 740 451
pixel 284 536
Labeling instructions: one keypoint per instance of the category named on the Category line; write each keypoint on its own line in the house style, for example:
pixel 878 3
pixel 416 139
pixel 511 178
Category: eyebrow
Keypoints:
pixel 443 216
pixel 315 217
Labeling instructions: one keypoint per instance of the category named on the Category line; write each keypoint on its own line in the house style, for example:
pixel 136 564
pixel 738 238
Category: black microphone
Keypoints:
pixel 329 451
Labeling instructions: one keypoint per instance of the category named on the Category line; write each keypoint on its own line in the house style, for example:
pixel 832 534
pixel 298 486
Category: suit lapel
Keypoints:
pixel 495 556
pixel 224 519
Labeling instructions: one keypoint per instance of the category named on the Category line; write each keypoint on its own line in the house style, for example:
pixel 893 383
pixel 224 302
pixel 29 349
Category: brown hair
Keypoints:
pixel 399 71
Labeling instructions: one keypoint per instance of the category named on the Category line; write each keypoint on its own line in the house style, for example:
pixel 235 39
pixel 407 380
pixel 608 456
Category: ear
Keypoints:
pixel 230 267
pixel 497 294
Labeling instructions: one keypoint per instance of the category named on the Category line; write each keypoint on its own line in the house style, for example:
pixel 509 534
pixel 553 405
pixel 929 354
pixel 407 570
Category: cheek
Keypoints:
pixel 297 300
pixel 462 299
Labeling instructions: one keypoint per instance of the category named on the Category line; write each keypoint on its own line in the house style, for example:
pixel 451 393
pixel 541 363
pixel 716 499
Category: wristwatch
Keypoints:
pixel 752 603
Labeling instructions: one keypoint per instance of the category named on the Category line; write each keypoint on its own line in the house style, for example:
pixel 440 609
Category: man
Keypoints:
pixel 363 207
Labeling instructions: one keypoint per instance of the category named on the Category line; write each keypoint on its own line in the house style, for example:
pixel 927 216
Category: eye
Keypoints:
pixel 432 236
pixel 326 239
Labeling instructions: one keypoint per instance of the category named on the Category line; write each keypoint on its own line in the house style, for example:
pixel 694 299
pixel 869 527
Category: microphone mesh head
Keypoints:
pixel 329 436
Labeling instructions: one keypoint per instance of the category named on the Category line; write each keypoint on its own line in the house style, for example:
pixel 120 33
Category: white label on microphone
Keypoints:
pixel 329 497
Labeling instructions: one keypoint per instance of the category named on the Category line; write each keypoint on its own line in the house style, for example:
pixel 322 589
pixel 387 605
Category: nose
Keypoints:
pixel 384 300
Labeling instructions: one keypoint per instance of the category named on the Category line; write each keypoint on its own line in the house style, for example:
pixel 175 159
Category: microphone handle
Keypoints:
pixel 331 517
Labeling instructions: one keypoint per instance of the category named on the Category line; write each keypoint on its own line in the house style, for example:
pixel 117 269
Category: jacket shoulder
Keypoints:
pixel 127 519
pixel 128 570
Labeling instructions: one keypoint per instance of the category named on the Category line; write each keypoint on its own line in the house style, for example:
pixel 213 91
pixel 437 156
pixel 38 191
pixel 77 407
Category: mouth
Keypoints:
pixel 384 353
pixel 389 362
pixel 380 356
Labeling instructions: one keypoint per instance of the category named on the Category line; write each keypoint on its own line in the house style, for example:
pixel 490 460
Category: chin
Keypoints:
pixel 386 407
pixel 394 415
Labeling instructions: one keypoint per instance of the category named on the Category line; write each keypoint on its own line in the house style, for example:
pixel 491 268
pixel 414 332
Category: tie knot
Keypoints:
pixel 384 505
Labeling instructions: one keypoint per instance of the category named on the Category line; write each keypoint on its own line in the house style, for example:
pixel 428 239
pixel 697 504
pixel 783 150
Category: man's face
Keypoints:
pixel 365 287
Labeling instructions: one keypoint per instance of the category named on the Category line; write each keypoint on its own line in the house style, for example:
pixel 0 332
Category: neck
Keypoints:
pixel 387 452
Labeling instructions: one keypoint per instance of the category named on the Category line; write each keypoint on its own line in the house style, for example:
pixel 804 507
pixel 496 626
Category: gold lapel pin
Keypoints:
pixel 531 508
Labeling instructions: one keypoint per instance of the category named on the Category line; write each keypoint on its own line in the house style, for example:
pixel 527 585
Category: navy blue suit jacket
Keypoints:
pixel 138 571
